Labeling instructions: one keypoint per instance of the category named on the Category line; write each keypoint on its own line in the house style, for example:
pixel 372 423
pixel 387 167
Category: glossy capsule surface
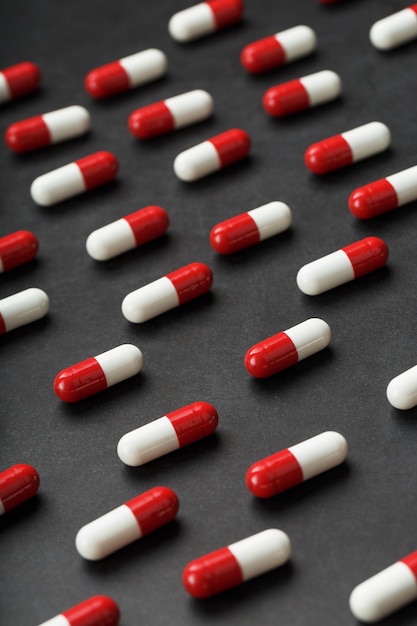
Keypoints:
pixel 22 308
pixel 402 390
pixel 17 484
pixel 19 80
pixel 17 249
pixel 95 611
pixel 204 18
pixel 395 29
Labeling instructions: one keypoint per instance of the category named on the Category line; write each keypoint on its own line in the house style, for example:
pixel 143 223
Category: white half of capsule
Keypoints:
pixel 149 301
pixel 24 307
pixel 67 123
pixel 366 140
pixel 58 620
pixel 145 66
pixel 120 363
pixel 309 336
pixel 111 240
pixel 320 453
pixel 60 184
pixel 405 185
pixel 325 273
pixel 197 162
pixel 271 218
pixel 394 30
pixel 192 23
pixel 261 552
pixel 5 93
pixel 297 42
pixel 190 108
pixel 402 390
pixel 148 442
pixel 322 86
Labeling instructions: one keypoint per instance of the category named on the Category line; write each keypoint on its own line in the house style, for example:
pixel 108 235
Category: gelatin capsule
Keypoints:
pixel 395 29
pixel 19 80
pixel 204 18
pixel 17 484
pixel 96 611
pixel 16 249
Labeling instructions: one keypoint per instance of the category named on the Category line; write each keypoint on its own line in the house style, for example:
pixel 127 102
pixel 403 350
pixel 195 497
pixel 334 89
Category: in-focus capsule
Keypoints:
pixel 402 390
pixel 287 348
pixel 19 80
pixel 16 249
pixel 292 466
pixel 341 150
pixel 232 565
pixel 170 114
pixel 170 432
pixel 74 178
pixel 204 18
pixel 212 155
pixel 276 50
pixel 127 73
pixel 342 266
pixel 22 308
pixel 96 611
pixel 17 484
pixel 395 30
pixel 168 292
pixel 98 373
pixel 127 233
pixel 127 523
pixel 248 229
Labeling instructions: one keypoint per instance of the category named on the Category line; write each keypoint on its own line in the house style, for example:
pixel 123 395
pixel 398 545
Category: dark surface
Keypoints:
pixel 344 525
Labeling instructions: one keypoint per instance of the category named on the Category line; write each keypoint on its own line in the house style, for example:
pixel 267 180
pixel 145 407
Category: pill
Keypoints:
pixel 74 178
pixel 276 50
pixel 292 466
pixel 127 233
pixel 22 308
pixel 16 249
pixel 96 611
pixel 402 390
pixel 204 18
pixel 353 145
pixel 127 523
pixel 170 432
pixel 395 30
pixel 248 229
pixel 17 484
pixel 212 155
pixel 131 71
pixel 334 269
pixel 168 292
pixel 302 93
pixel 19 80
pixel 170 114
pixel 386 592
pixel 49 128
pixel 280 351
pixel 232 565
pixel 385 194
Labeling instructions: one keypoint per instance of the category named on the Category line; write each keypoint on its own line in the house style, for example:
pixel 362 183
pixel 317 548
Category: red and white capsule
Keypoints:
pixel 16 249
pixel 96 611
pixel 232 565
pixel 204 18
pixel 212 155
pixel 98 373
pixel 342 266
pixel 125 74
pixel 22 308
pixel 349 147
pixel 168 292
pixel 127 523
pixel 292 466
pixel 127 233
pixel 395 29
pixel 168 433
pixel 248 229
pixel 74 178
pixel 276 50
pixel 19 80
pixel 287 348
pixel 17 484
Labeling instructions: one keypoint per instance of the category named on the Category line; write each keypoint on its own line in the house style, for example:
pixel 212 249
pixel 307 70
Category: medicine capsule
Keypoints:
pixel 212 155
pixel 127 523
pixel 276 50
pixel 232 565
pixel 386 592
pixel 170 114
pixel 204 18
pixel 248 229
pixel 131 71
pixel 341 150
pixel 96 611
pixel 395 30
pixel 17 484
pixel 74 178
pixel 402 390
pixel 170 432
pixel 127 233
pixel 292 466
pixel 16 249
pixel 22 308
pixel 19 80
pixel 97 373
pixel 342 266
pixel 302 93
pixel 168 292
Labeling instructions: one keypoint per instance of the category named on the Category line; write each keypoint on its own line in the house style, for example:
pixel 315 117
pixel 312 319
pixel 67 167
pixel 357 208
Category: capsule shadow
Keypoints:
pixel 21 513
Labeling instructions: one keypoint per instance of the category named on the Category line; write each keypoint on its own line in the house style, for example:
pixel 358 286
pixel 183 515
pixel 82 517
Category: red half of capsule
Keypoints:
pixel 151 121
pixel 148 223
pixel 98 168
pixel 80 381
pixel 271 356
pixel 154 508
pixel 193 422
pixel 17 248
pixel 226 12
pixel 22 78
pixel 286 99
pixel 263 55
pixel 107 80
pixel 232 145
pixel 211 574
pixel 274 474
pixel 411 559
pixel 96 611
pixel 234 234
pixel 328 155
pixel 373 199
pixel 367 255
pixel 191 281
pixel 18 484
pixel 28 135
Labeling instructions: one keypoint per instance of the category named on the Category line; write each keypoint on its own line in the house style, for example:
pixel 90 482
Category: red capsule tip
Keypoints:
pixel 263 55
pixel 151 121
pixel 232 145
pixel 27 135
pixel 107 80
pixel 80 381
pixel 328 155
pixel 98 168
pixel 373 199
pixel 193 422
pixel 211 574
pixel 18 248
pixel 271 356
pixel 226 12
pixel 22 78
pixel 274 474
pixel 17 484
pixel 154 508
pixel 100 610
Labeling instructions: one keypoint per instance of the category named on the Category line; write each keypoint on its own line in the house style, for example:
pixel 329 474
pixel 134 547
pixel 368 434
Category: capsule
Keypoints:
pixel 302 93
pixel 341 150
pixel 127 523
pixel 386 592
pixel 402 390
pixel 22 308
pixel 167 115
pixel 96 611
pixel 280 351
pixel 292 466
pixel 127 233
pixel 168 292
pixel 98 373
pixel 342 266
pixel 131 71
pixel 19 80
pixel 170 432
pixel 204 18
pixel 395 30
pixel 212 155
pixel 74 178
pixel 16 249
pixel 17 484
pixel 248 229
pixel 276 50
pixel 232 565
